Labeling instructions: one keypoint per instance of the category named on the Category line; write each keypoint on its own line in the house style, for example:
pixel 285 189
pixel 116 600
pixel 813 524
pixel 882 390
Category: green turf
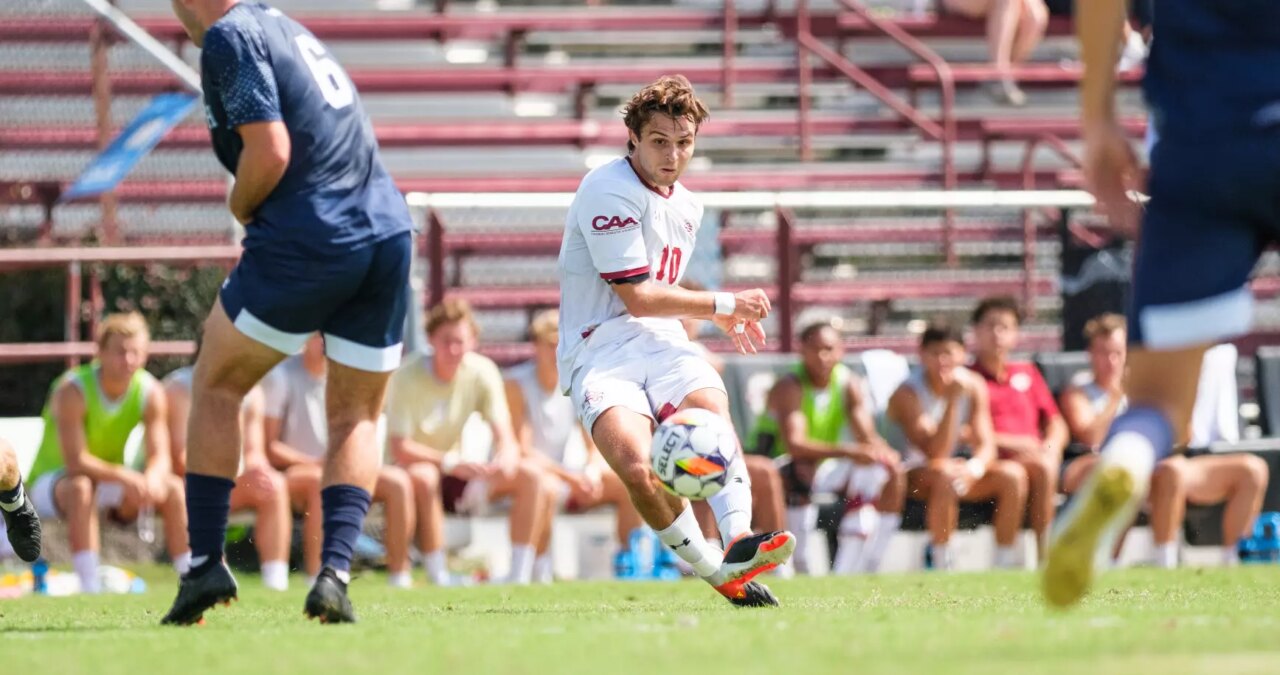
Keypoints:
pixel 1141 621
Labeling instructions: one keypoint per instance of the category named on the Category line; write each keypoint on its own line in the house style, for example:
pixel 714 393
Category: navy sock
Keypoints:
pixel 344 509
pixel 1148 422
pixel 12 496
pixel 208 502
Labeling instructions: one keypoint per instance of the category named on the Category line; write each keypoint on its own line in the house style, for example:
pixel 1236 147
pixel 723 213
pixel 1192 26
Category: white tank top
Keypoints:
pixel 933 407
pixel 549 414
pixel 1096 395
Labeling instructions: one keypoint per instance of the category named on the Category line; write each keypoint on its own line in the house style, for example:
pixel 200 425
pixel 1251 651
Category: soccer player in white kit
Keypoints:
pixel 624 357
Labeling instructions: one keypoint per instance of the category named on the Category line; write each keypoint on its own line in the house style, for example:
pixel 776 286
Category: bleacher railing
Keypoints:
pixel 783 238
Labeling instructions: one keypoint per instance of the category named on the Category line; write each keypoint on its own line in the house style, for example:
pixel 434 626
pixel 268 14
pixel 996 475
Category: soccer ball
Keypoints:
pixel 691 453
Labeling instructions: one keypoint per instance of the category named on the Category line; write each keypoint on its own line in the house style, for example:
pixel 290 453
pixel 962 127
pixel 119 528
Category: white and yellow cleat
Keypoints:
pixel 1085 533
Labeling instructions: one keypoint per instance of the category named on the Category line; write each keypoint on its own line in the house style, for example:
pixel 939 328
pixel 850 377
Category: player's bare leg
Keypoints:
pixel 745 556
pixel 229 365
pixel 1240 480
pixel 1162 389
pixel 266 492
pixel 623 437
pixel 1168 500
pixel 304 498
pixel 394 490
pixel 530 493
pixel 353 402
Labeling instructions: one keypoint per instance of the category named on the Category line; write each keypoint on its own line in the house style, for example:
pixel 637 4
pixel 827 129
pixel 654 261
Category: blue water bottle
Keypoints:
pixel 39 576
pixel 642 551
pixel 665 562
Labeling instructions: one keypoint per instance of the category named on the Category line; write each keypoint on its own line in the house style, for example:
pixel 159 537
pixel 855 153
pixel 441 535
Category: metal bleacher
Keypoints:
pixel 522 97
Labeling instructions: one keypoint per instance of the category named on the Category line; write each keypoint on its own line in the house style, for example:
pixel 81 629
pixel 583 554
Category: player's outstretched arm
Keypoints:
pixel 646 298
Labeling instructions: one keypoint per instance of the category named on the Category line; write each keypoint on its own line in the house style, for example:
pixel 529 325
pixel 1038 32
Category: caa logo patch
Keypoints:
pixel 602 223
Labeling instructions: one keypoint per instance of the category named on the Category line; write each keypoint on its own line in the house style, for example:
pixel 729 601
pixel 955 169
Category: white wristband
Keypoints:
pixel 976 467
pixel 725 303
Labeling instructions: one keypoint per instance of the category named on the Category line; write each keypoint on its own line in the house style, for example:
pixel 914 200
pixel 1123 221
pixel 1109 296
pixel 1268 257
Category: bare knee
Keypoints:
pixel 1011 479
pixel 266 486
pixel 1255 472
pixel 1040 472
pixel 425 479
pixel 176 490
pixel 763 472
pixel 1168 475
pixel 74 493
pixel 940 486
pixel 394 485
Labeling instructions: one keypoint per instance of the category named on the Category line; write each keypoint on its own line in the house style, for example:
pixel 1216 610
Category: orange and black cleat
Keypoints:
pixel 746 558
pixel 199 591
pixel 328 599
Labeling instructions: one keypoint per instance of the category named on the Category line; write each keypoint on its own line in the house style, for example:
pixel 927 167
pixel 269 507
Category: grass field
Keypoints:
pixel 1141 621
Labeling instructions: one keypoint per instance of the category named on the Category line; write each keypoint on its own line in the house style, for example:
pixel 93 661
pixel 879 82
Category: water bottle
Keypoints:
pixel 40 576
pixel 641 544
pixel 665 562
pixel 147 524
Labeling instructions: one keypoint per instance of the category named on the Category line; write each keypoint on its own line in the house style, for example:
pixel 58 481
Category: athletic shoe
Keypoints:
pixel 748 557
pixel 23 526
pixel 755 594
pixel 200 590
pixel 1087 530
pixel 328 600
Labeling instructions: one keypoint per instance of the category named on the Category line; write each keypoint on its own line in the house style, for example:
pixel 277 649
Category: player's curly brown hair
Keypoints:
pixel 671 95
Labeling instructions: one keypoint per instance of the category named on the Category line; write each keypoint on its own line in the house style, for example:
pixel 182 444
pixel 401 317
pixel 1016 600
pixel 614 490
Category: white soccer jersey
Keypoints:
pixel 618 227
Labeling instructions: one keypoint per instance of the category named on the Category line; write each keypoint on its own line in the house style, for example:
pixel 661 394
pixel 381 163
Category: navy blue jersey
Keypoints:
pixel 259 65
pixel 1214 68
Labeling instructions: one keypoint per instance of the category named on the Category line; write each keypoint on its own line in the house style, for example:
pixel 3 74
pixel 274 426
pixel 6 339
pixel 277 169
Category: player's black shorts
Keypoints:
pixel 279 296
pixel 1215 205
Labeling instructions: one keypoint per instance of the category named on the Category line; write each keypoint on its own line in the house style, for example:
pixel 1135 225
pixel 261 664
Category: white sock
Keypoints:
pixel 182 562
pixel 801 520
pixel 1006 557
pixel 732 504
pixel 17 501
pixel 1167 555
pixel 849 555
pixel 544 569
pixel 878 544
pixel 86 566
pixel 401 579
pixel 436 567
pixel 522 563
pixel 1230 556
pixel 685 538
pixel 942 556
pixel 275 575
pixel 1134 452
